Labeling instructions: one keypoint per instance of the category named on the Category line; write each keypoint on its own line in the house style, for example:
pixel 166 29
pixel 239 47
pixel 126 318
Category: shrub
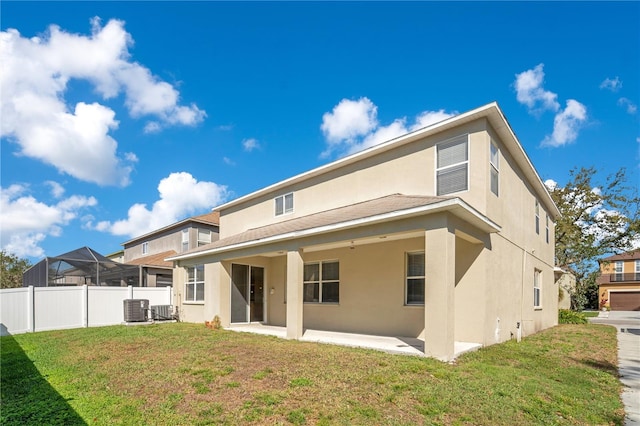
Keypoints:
pixel 566 316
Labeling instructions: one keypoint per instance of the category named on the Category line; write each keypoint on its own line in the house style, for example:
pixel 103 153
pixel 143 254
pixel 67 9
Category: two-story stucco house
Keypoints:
pixel 619 282
pixel 445 234
pixel 149 251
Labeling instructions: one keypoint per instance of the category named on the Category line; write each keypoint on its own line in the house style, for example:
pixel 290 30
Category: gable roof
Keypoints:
pixel 370 212
pixel 631 255
pixel 154 260
pixel 491 112
pixel 211 218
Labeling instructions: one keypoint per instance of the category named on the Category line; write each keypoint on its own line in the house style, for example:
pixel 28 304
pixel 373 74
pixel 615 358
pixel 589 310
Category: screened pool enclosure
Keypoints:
pixel 80 267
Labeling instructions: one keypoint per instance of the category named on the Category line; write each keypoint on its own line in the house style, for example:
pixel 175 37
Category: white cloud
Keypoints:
pixel 353 126
pixel 628 105
pixel 614 84
pixel 428 118
pixel 529 90
pixel 566 124
pixel 57 190
pixel 180 194
pixel 348 121
pixel 228 161
pixel 551 184
pixel 250 144
pixel 34 74
pixel 26 222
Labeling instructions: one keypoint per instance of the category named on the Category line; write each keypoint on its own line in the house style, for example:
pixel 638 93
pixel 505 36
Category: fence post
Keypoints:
pixel 31 309
pixel 169 295
pixel 130 288
pixel 85 306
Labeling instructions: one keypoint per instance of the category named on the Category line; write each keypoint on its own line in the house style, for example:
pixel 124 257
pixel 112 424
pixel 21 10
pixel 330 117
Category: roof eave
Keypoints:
pixel 168 227
pixel 455 205
pixel 366 153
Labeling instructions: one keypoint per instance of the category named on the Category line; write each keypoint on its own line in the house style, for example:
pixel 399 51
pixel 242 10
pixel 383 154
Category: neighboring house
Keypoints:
pixel 445 234
pixel 150 250
pixel 619 282
pixel 116 256
pixel 566 281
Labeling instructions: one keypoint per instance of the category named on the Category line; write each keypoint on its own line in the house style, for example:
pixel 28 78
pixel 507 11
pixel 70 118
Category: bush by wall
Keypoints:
pixel 567 316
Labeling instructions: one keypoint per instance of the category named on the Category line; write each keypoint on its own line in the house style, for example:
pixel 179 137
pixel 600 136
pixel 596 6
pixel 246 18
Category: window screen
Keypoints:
pixel 452 172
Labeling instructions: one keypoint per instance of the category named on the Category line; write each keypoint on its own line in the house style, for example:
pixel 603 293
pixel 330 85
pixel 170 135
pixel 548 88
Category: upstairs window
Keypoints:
pixel 547 229
pixel 284 204
pixel 618 269
pixel 537 211
pixel 322 282
pixel 537 289
pixel 452 166
pixel 637 270
pixel 145 247
pixel 415 279
pixel 185 239
pixel 494 162
pixel 204 237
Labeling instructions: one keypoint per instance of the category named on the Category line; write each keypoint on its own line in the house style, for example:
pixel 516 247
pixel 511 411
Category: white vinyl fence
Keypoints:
pixel 30 309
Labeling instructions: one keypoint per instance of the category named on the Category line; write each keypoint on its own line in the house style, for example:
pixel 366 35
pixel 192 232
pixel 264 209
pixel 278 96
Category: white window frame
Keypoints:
pixel 452 141
pixel 320 282
pixel 203 242
pixel 284 209
pixel 413 277
pixel 494 168
pixel 195 283
pixel 637 270
pixel 145 247
pixel 547 228
pixel 185 239
pixel 537 289
pixel 619 270
pixel 537 212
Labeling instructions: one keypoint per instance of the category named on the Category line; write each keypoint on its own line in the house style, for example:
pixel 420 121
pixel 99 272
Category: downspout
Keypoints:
pixel 520 324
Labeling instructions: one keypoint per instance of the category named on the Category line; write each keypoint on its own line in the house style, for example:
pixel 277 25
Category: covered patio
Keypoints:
pixel 356 276
pixel 389 344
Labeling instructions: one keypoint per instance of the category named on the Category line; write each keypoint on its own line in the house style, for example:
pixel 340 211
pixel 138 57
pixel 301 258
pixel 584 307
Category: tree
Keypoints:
pixel 11 270
pixel 596 220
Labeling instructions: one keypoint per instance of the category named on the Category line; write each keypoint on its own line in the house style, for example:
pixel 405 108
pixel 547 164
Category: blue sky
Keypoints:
pixel 122 117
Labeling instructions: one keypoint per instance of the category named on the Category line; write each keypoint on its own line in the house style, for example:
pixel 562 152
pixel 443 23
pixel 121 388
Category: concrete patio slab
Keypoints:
pixel 389 344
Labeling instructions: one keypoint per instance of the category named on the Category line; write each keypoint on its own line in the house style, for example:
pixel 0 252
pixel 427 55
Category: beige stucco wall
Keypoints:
pixel 372 291
pixel 565 282
pixel 493 272
pixel 408 170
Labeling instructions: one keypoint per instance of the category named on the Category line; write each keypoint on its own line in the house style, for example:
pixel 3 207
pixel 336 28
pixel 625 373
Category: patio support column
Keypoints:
pixel 295 268
pixel 217 293
pixel 439 314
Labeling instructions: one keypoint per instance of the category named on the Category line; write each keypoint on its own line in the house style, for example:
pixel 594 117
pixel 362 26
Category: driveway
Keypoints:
pixel 628 325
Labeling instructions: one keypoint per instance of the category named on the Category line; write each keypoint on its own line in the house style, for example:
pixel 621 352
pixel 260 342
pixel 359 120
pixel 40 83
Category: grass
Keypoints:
pixel 186 374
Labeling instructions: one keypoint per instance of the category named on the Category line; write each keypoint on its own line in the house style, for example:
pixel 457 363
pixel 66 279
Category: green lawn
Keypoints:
pixel 186 374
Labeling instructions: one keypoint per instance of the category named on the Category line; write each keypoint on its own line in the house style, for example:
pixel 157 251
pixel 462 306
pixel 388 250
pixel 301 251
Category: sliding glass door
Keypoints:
pixel 247 293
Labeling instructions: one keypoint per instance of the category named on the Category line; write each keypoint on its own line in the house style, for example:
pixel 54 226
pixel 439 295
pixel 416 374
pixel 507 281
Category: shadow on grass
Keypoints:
pixel 607 367
pixel 27 397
